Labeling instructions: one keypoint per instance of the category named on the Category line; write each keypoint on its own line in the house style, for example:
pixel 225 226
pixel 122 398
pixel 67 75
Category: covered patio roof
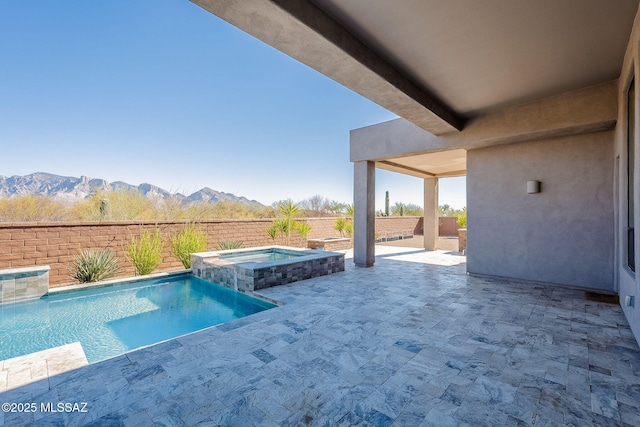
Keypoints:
pixel 441 164
pixel 453 68
pixel 443 64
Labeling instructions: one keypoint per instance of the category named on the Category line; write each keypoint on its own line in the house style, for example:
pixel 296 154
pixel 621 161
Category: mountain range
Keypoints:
pixel 69 190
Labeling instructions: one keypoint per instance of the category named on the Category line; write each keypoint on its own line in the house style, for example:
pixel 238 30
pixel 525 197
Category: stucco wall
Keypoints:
pixel 562 235
pixel 628 281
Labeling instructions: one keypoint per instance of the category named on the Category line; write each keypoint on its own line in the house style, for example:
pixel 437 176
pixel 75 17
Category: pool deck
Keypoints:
pixel 40 366
pixel 413 341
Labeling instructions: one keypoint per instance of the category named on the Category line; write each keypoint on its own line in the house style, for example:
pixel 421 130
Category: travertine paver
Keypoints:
pixel 33 367
pixel 413 341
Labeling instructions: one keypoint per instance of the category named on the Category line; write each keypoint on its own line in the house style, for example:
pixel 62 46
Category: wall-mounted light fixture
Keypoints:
pixel 533 187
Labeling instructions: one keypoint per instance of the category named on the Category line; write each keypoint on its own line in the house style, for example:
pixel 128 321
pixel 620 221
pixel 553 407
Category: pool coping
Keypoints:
pixel 252 276
pixel 134 279
pixel 113 282
pixel 306 255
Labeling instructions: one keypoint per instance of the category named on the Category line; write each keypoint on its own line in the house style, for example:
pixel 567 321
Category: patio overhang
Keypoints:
pixel 306 32
pixel 442 164
pixel 441 65
pixel 577 112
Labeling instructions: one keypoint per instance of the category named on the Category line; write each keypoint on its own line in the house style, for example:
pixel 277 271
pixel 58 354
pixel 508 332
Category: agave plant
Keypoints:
pixel 92 265
pixel 229 244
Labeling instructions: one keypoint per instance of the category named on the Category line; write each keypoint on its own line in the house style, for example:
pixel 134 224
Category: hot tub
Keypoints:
pixel 262 267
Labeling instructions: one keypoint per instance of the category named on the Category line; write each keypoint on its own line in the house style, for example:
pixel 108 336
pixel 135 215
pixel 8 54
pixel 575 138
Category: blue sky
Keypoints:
pixel 162 91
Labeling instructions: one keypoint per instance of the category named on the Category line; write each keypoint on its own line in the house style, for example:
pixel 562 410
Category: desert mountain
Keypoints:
pixel 68 190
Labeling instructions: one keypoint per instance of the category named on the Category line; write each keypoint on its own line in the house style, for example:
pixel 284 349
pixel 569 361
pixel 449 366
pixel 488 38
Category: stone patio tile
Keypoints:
pixel 437 418
pixel 412 341
pixel 139 419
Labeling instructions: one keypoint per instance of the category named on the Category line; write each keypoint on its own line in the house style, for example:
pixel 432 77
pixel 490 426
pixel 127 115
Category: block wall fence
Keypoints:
pixel 448 226
pixel 56 243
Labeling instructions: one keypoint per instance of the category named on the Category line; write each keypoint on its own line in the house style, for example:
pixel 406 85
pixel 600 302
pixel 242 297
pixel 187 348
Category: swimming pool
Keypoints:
pixel 112 320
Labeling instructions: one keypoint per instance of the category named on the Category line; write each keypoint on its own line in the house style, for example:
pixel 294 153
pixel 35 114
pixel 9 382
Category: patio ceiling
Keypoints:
pixel 440 164
pixel 477 56
pixel 440 63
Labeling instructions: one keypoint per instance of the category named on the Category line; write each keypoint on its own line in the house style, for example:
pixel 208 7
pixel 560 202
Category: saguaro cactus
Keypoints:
pixel 386 204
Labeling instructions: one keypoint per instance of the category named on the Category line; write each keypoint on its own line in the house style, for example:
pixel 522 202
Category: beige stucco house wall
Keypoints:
pixel 627 281
pixel 565 233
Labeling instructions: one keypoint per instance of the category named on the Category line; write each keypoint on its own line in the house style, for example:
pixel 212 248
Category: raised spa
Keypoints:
pixel 258 268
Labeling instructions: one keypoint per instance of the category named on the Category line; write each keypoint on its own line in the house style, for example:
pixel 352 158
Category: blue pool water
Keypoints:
pixel 261 256
pixel 115 319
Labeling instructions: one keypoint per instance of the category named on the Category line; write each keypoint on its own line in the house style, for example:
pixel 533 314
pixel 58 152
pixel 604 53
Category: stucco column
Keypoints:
pixel 430 214
pixel 364 239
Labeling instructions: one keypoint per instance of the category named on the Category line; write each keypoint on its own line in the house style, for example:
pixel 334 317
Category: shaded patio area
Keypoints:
pixel 413 341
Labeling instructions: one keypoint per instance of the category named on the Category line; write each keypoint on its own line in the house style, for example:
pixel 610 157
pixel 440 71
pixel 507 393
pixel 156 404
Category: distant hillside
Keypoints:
pixel 69 190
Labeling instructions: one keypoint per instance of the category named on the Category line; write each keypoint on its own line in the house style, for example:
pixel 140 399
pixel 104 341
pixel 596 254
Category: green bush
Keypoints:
pixel 289 210
pixel 188 241
pixel 340 225
pixel 303 228
pixel 145 252
pixel 462 218
pixel 348 228
pixel 92 265
pixel 229 244
pixel 272 231
pixel 32 208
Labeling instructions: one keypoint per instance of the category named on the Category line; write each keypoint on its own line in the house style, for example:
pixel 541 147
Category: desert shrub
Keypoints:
pixel 345 225
pixel 31 208
pixel 462 218
pixel 229 209
pixel 287 223
pixel 225 209
pixel 289 210
pixel 229 244
pixel 339 225
pixel 122 204
pixel 406 209
pixel 272 231
pixel 348 228
pixel 145 252
pixel 188 241
pixel 350 210
pixel 92 265
pixel 303 228
pixel 279 226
